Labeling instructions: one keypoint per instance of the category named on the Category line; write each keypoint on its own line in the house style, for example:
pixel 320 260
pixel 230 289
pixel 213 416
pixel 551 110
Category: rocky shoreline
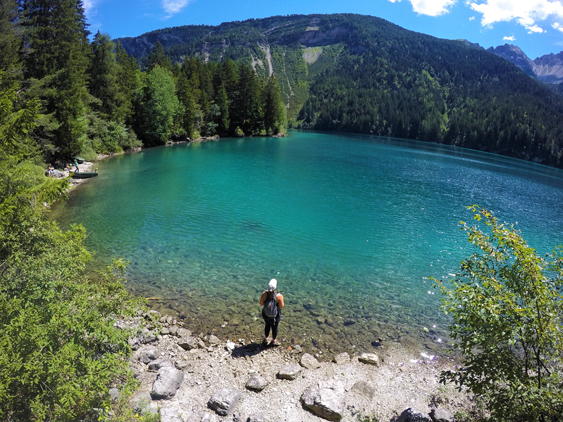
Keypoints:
pixel 190 377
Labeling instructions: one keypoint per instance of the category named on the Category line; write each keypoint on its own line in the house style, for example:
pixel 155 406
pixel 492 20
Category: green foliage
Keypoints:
pixel 108 137
pixel 507 307
pixel 160 109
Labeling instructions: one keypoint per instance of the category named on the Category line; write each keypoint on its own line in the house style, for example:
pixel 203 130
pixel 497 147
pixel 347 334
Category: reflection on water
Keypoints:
pixel 350 226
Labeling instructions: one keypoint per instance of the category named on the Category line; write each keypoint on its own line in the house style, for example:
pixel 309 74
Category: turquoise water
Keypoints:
pixel 350 226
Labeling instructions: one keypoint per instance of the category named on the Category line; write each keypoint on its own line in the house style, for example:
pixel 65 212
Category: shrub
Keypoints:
pixel 507 310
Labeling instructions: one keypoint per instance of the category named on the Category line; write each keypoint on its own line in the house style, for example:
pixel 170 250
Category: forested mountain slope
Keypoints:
pixel 363 74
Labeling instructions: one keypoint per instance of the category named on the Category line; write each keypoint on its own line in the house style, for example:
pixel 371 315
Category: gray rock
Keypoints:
pixel 441 415
pixel 155 365
pixel 256 383
pixel 148 354
pixel 364 388
pixel 181 364
pixel 369 358
pixel 309 362
pixel 135 343
pixel 188 343
pixel 201 417
pixel 168 414
pixel 413 415
pixel 289 371
pixel 113 394
pixel 165 331
pixel 257 417
pixel 326 402
pixel 224 401
pixel 173 330
pixel 148 337
pixel 341 358
pixel 183 332
pixel 214 340
pixel 296 349
pixel 167 383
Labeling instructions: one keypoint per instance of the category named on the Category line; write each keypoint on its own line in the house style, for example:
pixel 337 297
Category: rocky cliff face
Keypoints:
pixel 548 68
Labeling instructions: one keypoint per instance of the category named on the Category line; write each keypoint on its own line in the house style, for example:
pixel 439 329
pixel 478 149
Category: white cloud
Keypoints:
pixel 430 7
pixel 511 38
pixel 557 26
pixel 472 18
pixel 171 7
pixel 528 13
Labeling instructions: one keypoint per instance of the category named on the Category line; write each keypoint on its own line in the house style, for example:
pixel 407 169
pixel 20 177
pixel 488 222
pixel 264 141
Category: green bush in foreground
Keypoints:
pixel 59 349
pixel 507 307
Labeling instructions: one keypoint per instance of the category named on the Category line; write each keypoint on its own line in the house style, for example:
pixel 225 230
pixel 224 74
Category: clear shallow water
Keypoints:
pixel 350 226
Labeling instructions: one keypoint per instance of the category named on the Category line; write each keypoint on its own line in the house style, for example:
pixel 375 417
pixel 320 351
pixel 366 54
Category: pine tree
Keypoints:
pixel 10 39
pixel 158 57
pixel 103 73
pixel 249 103
pixel 129 82
pixel 274 110
pixel 56 37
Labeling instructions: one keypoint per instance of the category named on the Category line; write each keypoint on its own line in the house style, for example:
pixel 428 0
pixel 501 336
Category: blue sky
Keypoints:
pixel 536 26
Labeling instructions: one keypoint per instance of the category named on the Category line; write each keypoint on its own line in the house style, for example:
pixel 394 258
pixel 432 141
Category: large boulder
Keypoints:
pixel 289 371
pixel 167 382
pixel 147 354
pixel 224 401
pixel 413 415
pixel 256 383
pixel 308 361
pixel 327 402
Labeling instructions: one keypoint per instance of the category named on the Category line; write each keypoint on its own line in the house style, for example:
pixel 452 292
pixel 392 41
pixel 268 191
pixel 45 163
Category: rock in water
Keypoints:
pixel 413 415
pixel 289 371
pixel 256 383
pixel 326 402
pixel 309 361
pixel 224 401
pixel 167 383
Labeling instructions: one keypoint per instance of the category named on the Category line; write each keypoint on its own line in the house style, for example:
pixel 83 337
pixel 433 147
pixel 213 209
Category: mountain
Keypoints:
pixel 363 74
pixel 548 68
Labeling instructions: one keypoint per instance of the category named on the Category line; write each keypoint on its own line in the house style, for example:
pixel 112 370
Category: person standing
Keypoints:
pixel 272 304
pixel 76 169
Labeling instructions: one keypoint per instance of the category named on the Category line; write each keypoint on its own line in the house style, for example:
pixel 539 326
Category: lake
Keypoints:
pixel 350 226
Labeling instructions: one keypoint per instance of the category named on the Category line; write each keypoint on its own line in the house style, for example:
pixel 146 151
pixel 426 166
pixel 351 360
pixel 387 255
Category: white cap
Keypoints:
pixel 272 285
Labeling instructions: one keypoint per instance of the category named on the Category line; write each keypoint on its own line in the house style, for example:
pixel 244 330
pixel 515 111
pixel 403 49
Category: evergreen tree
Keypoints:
pixel 103 73
pixel 191 110
pixel 158 58
pixel 56 37
pixel 222 101
pixel 129 81
pixel 9 41
pixel 274 110
pixel 249 102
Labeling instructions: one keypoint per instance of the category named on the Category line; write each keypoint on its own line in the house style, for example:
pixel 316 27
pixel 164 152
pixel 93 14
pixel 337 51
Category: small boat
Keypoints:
pixel 84 175
pixel 79 160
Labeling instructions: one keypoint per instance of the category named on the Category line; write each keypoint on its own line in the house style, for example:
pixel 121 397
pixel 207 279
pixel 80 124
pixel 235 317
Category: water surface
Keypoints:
pixel 351 227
